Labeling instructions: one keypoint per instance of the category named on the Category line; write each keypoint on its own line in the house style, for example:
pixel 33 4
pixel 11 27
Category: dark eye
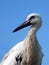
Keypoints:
pixel 18 59
pixel 32 17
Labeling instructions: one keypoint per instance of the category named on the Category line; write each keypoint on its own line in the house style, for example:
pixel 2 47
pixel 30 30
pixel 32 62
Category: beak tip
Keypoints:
pixel 13 31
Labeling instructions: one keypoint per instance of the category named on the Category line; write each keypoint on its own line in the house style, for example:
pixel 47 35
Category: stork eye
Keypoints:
pixel 18 59
pixel 32 17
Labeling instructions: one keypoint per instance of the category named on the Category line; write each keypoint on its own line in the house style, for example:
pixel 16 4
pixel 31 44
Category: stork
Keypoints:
pixel 27 52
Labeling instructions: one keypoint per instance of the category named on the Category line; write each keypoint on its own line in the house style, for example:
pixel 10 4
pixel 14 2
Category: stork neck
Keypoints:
pixel 32 31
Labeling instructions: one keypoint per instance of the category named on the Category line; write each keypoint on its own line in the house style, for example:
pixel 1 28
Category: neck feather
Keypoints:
pixel 32 31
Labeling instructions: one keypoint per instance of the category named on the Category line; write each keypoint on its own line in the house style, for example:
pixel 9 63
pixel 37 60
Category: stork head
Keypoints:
pixel 34 20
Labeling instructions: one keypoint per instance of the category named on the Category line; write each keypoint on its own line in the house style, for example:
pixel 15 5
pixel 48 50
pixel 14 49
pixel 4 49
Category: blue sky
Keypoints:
pixel 13 13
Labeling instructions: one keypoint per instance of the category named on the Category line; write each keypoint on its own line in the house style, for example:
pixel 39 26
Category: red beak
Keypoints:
pixel 23 25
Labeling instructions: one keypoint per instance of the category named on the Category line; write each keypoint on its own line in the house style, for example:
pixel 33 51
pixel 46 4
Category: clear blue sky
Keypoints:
pixel 13 13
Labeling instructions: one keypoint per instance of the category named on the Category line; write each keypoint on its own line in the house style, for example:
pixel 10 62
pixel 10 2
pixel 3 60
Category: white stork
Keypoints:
pixel 27 52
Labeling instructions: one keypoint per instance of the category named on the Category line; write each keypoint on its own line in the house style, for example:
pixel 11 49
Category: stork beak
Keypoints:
pixel 23 25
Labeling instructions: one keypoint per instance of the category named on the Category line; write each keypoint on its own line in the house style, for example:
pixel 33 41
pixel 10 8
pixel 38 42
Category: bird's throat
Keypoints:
pixel 32 31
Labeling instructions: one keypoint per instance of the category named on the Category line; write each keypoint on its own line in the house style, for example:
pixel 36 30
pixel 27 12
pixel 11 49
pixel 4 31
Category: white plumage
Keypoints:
pixel 27 52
